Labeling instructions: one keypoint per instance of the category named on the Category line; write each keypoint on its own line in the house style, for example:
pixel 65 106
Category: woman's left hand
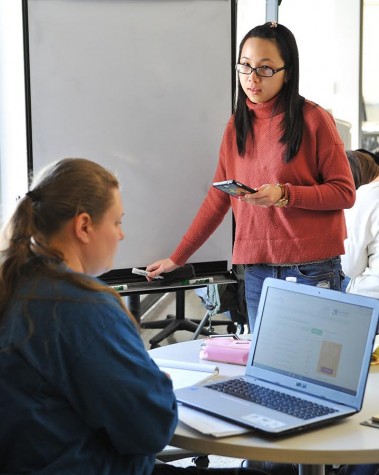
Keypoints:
pixel 266 196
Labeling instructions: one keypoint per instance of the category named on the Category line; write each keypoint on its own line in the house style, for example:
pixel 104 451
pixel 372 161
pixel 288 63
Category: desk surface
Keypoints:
pixel 343 442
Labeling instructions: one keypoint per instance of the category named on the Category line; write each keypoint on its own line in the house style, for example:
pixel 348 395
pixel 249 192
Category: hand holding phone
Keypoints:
pixel 234 188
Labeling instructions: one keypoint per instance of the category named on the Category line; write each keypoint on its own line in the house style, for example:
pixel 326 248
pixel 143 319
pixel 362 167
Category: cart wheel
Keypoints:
pixel 202 461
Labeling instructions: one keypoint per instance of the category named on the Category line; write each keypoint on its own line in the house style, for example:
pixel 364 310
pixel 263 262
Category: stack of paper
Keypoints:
pixel 184 373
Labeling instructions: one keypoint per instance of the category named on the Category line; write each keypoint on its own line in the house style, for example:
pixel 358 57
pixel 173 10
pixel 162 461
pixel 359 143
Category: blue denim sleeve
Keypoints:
pixel 117 388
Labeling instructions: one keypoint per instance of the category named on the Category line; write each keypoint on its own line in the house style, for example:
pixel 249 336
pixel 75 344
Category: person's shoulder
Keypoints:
pixel 314 110
pixel 369 189
pixel 320 122
pixel 70 300
pixel 59 288
pixel 66 317
pixel 77 295
pixel 366 202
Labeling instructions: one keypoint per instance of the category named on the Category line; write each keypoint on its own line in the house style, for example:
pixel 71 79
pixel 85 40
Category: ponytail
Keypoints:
pixel 18 249
pixel 64 190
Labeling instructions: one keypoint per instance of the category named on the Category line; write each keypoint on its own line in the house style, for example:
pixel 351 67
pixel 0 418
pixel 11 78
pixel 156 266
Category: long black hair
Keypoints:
pixel 293 121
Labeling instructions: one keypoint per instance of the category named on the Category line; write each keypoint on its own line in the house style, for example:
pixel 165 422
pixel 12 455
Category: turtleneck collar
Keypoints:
pixel 266 110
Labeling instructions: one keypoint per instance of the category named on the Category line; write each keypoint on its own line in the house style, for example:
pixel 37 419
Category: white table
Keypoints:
pixel 343 442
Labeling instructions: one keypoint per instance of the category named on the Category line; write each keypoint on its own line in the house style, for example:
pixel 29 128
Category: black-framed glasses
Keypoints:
pixel 263 71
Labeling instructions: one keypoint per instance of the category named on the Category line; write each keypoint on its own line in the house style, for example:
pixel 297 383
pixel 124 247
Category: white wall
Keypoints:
pixel 12 107
pixel 144 88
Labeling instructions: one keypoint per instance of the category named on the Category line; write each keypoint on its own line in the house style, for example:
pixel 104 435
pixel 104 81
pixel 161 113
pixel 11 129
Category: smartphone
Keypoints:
pixel 233 187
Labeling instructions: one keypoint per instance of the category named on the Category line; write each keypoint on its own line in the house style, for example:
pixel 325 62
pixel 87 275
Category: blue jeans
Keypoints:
pixel 327 274
pixel 345 283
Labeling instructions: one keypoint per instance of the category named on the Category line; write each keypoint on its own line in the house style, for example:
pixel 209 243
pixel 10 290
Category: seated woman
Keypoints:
pixel 79 393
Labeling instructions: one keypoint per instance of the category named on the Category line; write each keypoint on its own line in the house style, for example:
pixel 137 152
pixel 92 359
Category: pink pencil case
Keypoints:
pixel 225 350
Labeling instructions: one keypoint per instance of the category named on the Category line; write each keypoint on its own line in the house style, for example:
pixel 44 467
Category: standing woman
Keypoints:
pixel 79 393
pixel 289 150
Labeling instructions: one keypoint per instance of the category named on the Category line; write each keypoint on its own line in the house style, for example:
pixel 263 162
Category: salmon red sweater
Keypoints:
pixel 311 227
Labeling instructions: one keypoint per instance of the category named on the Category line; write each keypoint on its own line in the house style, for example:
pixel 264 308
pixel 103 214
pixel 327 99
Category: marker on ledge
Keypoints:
pixel 143 272
pixel 206 280
pixel 119 287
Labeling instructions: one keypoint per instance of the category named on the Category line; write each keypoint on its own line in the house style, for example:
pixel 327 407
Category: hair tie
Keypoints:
pixel 274 24
pixel 34 195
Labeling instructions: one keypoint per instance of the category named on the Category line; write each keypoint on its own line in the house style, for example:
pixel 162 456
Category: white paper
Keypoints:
pixel 183 373
pixel 209 425
pixel 205 368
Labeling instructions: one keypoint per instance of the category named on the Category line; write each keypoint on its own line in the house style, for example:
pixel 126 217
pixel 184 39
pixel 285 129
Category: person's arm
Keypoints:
pixel 362 222
pixel 355 259
pixel 334 188
pixel 207 220
pixel 209 216
pixel 205 223
pixel 117 389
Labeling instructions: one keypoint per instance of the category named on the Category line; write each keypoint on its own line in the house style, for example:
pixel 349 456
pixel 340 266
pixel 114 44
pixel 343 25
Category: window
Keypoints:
pixel 13 157
pixel 370 74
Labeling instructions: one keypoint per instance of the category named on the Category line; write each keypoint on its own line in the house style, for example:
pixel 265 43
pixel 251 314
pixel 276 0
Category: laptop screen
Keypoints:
pixel 313 339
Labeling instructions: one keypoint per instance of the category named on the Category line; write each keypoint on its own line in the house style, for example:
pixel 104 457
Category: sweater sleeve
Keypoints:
pixel 334 188
pixel 210 214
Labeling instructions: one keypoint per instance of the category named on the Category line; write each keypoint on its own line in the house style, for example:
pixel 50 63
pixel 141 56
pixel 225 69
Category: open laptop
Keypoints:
pixel 308 363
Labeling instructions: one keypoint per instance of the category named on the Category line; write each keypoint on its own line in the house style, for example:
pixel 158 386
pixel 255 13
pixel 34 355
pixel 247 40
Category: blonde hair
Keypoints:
pixel 60 192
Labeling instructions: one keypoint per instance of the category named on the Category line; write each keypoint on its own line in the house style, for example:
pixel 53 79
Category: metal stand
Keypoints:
pixel 173 323
pixel 177 322
pixel 203 322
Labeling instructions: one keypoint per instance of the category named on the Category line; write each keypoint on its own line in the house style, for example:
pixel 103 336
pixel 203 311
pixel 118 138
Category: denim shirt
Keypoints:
pixel 78 391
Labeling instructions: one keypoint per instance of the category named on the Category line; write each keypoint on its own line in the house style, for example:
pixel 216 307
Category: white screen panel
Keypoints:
pixel 145 88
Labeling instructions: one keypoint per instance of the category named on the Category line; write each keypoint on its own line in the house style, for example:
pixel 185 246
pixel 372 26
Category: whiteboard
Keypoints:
pixel 145 89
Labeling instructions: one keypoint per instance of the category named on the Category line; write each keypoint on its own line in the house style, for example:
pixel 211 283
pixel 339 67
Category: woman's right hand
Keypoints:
pixel 158 267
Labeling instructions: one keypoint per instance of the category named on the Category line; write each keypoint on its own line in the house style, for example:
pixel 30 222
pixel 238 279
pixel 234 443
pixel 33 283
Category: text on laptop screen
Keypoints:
pixel 308 337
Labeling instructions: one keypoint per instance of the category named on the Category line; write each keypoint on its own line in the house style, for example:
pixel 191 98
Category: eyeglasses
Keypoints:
pixel 263 71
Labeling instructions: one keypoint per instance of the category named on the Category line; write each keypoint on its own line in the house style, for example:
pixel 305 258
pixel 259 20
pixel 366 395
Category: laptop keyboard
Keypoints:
pixel 292 405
